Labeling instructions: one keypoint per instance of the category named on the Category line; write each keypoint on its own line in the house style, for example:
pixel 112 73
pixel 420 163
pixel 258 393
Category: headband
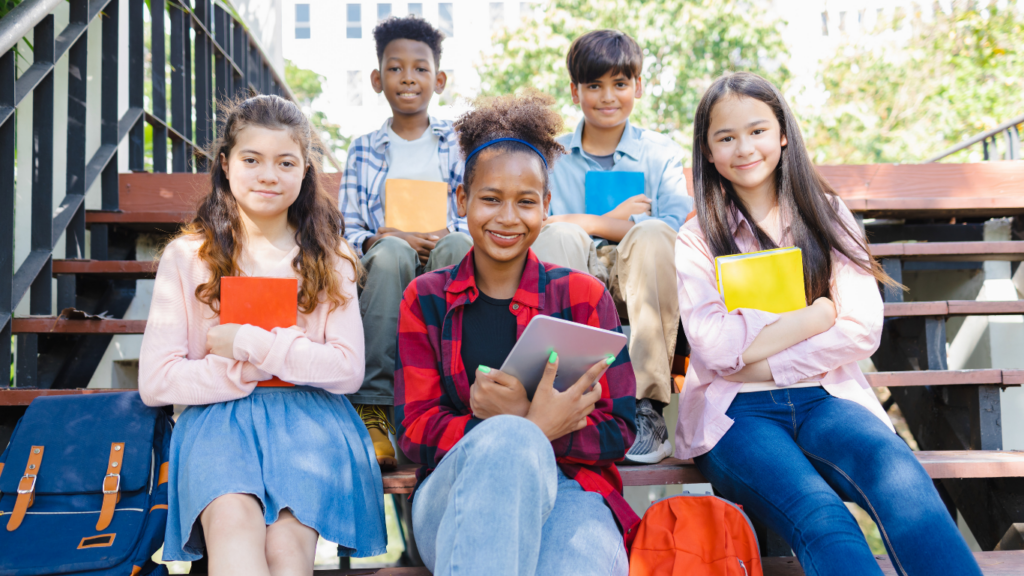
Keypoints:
pixel 496 140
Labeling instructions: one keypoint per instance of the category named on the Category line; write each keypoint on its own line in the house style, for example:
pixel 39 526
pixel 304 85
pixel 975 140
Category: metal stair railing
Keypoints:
pixel 227 62
pixel 990 142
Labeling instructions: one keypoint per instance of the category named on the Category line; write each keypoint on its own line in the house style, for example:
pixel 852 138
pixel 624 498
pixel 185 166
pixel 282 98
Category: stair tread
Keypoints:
pixel 986 377
pixel 107 268
pixel 998 563
pixel 54 325
pixel 951 251
pixel 954 308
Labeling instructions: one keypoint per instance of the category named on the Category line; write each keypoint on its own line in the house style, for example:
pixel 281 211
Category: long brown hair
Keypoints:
pixel 314 215
pixel 807 203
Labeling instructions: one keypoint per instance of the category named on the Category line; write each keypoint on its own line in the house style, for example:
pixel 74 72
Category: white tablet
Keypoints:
pixel 579 347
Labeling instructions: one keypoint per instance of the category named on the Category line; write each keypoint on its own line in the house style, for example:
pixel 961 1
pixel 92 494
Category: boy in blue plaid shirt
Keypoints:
pixel 413 146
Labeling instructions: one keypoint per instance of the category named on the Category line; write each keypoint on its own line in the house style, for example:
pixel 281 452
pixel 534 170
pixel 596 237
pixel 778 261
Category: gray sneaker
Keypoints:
pixel 651 445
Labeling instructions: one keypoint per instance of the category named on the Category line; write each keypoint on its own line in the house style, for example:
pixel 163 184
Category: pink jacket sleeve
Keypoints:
pixel 166 374
pixel 337 365
pixel 856 333
pixel 717 336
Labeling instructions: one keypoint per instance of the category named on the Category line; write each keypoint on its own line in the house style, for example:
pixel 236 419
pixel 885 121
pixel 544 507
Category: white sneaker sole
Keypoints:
pixel 663 451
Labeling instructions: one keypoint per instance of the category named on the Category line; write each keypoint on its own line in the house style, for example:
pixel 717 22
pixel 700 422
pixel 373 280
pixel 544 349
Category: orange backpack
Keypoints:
pixel 695 536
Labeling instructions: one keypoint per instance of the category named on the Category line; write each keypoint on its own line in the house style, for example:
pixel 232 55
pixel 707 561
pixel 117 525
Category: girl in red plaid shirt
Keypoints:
pixel 509 485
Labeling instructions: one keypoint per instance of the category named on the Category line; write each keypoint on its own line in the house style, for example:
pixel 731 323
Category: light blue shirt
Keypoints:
pixel 639 150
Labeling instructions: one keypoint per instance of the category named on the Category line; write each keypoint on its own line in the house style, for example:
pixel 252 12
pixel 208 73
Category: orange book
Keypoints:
pixel 415 205
pixel 266 303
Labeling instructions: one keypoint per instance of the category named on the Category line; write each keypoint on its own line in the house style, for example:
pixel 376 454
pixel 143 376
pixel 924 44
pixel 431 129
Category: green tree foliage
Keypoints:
pixel 917 86
pixel 686 44
pixel 307 86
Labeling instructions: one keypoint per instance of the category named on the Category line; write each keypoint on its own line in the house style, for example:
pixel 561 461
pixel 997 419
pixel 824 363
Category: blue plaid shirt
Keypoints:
pixel 362 185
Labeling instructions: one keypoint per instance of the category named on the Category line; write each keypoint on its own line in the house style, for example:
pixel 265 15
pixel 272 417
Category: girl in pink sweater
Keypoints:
pixel 257 472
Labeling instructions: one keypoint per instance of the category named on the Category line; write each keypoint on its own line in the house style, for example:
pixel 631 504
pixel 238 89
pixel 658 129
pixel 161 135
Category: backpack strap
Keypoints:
pixel 111 485
pixel 26 488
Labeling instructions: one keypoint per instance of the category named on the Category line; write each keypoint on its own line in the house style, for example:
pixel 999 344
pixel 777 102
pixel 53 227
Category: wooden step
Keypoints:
pixel 113 269
pixel 1001 563
pixel 51 325
pixel 935 251
pixel 938 464
pixel 147 270
pixel 950 251
pixel 984 377
pixel 25 396
pixel 161 201
pixel 954 308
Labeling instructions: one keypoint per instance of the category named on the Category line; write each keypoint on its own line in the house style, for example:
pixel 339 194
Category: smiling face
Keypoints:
pixel 265 170
pixel 507 205
pixel 408 76
pixel 745 143
pixel 608 101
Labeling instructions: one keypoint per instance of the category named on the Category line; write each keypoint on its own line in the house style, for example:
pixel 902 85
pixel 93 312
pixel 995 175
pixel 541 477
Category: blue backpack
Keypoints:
pixel 83 487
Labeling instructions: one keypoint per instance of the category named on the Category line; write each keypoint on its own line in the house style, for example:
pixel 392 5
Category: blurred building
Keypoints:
pixel 335 39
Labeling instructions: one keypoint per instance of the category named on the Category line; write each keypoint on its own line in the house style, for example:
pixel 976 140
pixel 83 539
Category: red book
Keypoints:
pixel 266 303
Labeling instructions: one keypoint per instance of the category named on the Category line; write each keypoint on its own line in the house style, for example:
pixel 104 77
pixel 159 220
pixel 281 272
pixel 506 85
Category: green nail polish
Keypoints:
pixel 484 369
pixel 553 358
pixel 610 360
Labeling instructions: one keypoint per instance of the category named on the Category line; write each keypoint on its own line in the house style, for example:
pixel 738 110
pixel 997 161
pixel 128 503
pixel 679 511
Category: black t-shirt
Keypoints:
pixel 488 333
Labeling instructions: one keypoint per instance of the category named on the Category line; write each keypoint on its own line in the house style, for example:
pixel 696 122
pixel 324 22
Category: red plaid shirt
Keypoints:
pixel 432 388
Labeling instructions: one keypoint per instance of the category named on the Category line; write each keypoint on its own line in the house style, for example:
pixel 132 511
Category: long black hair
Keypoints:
pixel 807 203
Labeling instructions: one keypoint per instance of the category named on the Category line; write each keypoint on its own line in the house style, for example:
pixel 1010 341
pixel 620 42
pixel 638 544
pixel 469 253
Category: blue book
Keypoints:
pixel 606 190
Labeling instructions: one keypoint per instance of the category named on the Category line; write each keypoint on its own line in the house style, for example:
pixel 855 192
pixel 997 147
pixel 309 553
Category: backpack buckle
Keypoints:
pixel 117 485
pixel 31 488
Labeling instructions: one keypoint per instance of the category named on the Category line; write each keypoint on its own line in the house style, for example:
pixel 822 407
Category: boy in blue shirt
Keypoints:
pixel 411 145
pixel 605 67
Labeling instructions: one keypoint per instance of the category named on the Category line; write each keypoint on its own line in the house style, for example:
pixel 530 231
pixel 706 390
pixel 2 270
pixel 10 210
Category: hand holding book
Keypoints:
pixel 220 340
pixel 639 204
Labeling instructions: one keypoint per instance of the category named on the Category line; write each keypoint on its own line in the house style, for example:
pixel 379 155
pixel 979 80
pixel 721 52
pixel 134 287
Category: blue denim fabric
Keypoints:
pixel 793 457
pixel 497 504
pixel 298 448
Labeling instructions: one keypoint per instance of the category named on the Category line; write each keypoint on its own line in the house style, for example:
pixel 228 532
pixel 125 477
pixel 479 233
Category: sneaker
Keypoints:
pixel 651 445
pixel 376 420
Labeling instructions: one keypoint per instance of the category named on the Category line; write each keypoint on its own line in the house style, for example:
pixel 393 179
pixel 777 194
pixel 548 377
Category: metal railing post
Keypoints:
pixel 158 57
pixel 204 82
pixel 7 158
pixel 40 294
pixel 136 74
pixel 179 157
pixel 74 238
pixel 108 111
pixel 223 69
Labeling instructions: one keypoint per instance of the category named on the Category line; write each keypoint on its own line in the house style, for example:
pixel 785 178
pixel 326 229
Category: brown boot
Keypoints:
pixel 376 420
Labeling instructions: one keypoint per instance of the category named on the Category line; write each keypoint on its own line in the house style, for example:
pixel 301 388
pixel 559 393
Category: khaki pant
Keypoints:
pixel 641 276
pixel 391 264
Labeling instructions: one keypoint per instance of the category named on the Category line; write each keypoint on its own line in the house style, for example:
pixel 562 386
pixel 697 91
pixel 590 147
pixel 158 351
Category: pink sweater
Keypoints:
pixel 718 338
pixel 326 351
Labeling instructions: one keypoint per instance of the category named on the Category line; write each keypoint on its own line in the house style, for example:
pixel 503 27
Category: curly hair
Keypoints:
pixel 314 214
pixel 527 116
pixel 411 27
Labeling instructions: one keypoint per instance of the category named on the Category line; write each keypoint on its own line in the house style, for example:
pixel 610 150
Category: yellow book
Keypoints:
pixel 770 280
pixel 415 205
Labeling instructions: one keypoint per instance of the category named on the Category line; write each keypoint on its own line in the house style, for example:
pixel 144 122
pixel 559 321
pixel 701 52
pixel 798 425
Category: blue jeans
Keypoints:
pixel 497 504
pixel 793 457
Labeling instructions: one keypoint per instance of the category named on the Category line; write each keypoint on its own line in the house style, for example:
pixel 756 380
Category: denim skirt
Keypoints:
pixel 298 448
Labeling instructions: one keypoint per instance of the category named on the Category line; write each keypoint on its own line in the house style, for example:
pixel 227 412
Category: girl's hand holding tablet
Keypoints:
pixel 495 393
pixel 560 413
